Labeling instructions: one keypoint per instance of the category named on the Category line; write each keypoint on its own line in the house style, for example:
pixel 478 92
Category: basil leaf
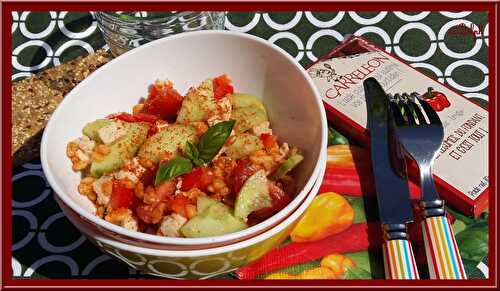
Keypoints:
pixel 213 139
pixel 191 151
pixel 173 168
pixel 198 162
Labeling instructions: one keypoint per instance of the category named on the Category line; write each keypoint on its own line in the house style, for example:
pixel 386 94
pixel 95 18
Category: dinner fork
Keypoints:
pixel 421 137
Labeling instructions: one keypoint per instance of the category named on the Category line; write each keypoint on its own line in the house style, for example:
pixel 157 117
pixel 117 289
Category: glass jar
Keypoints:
pixel 124 31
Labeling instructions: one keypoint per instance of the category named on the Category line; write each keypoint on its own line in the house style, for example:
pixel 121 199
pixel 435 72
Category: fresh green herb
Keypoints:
pixel 193 154
pixel 173 168
pixel 213 139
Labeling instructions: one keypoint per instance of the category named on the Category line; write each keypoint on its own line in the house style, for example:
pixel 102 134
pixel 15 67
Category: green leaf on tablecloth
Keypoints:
pixel 458 226
pixel 359 209
pixel 369 261
pixel 471 269
pixel 473 241
pixel 459 216
pixel 334 137
pixel 365 208
pixel 357 273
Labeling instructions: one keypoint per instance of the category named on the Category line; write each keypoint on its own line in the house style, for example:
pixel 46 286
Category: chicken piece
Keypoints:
pixel 82 156
pixel 103 188
pixel 120 175
pixel 111 132
pixel 124 218
pixel 85 144
pixel 223 112
pixel 79 151
pixel 171 224
pixel 130 222
pixel 262 128
pixel 283 153
pixel 134 167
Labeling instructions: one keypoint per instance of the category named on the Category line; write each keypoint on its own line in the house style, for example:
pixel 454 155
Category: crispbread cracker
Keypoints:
pixel 35 98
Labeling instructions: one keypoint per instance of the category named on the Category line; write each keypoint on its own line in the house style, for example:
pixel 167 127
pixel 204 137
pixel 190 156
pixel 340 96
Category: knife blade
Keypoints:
pixel 392 190
pixel 393 195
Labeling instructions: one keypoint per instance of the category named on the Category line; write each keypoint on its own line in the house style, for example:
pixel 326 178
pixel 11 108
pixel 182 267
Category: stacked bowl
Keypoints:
pixel 256 67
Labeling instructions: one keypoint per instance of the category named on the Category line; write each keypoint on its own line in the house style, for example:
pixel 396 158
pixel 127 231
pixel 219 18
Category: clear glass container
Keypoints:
pixel 124 31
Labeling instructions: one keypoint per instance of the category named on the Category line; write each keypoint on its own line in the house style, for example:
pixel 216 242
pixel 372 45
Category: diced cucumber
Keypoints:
pixel 122 149
pixel 254 195
pixel 287 166
pixel 243 100
pixel 213 218
pixel 205 226
pixel 203 202
pixel 198 104
pixel 91 128
pixel 244 144
pixel 170 139
pixel 248 117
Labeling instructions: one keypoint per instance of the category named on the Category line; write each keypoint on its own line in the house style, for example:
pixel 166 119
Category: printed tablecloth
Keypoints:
pixel 46 245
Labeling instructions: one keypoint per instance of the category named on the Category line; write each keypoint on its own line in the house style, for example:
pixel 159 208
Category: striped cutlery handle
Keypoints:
pixel 441 249
pixel 399 262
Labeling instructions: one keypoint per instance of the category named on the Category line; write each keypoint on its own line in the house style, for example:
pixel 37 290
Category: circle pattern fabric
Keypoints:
pixel 46 245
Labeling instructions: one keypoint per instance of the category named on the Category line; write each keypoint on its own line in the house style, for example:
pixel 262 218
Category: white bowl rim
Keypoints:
pixel 227 248
pixel 187 241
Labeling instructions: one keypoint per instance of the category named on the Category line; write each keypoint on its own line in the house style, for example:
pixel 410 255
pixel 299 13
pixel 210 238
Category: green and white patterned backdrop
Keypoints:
pixel 45 244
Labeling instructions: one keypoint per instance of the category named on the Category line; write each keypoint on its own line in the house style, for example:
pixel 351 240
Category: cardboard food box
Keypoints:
pixel 461 166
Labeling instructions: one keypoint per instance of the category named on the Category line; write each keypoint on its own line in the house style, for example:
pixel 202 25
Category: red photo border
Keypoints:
pixel 8 283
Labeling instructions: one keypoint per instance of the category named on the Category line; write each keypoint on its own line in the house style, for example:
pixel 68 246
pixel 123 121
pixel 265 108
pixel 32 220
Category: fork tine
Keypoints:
pixel 396 112
pixel 408 114
pixel 418 113
pixel 431 114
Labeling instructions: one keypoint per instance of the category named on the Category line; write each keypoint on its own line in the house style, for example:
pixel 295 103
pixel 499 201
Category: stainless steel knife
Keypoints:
pixel 394 206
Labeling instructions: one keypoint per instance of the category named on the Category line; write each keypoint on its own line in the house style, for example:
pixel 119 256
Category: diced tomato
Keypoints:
pixel 124 116
pixel 270 141
pixel 121 197
pixel 136 117
pixel 165 190
pixel 143 211
pixel 152 130
pixel 178 205
pixel 148 177
pixel 222 86
pixel 150 213
pixel 149 118
pixel 199 177
pixel 164 102
pixel 251 221
pixel 279 200
pixel 241 172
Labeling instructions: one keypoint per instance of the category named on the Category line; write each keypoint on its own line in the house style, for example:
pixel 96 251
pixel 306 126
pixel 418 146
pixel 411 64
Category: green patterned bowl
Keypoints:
pixel 194 264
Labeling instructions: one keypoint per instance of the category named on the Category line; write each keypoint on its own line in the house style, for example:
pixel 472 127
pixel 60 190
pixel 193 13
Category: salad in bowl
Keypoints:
pixel 200 165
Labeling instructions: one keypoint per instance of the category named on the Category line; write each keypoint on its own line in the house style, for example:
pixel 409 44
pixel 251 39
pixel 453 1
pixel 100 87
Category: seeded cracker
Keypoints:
pixel 35 98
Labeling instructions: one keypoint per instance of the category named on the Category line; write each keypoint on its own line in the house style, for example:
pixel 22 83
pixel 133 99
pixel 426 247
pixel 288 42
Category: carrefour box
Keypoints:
pixel 461 166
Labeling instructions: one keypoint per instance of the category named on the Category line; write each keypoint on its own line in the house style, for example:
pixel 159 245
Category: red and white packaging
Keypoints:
pixel 461 168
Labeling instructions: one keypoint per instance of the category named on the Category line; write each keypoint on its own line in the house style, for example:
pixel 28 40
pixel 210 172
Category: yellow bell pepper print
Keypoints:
pixel 328 214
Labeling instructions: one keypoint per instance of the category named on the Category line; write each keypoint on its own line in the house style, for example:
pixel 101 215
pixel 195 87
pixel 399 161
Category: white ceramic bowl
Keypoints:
pixel 201 263
pixel 255 66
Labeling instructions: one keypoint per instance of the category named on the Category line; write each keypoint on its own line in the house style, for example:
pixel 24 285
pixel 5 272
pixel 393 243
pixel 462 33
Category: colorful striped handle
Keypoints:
pixel 399 262
pixel 441 249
